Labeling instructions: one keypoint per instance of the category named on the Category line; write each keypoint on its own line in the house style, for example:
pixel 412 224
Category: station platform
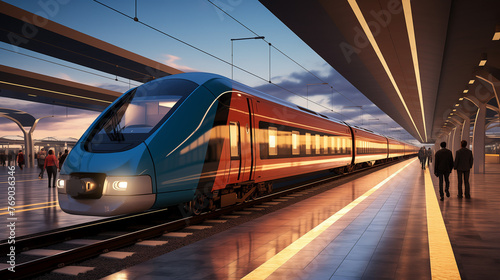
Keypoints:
pixel 386 225
pixel 36 208
pixel 381 226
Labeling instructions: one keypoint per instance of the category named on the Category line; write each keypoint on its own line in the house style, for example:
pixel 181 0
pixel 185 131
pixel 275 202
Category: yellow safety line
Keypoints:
pixel 271 265
pixel 28 205
pixel 24 210
pixel 443 263
pixel 19 181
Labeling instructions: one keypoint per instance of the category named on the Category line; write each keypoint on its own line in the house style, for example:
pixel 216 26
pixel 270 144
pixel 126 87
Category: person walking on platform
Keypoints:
pixel 422 157
pixel 429 157
pixel 41 162
pixel 62 158
pixel 463 164
pixel 20 159
pixel 51 167
pixel 443 165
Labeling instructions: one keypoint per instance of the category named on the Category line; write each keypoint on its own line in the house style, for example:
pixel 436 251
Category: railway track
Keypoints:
pixel 161 224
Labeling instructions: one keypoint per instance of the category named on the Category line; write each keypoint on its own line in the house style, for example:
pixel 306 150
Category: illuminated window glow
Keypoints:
pixel 317 140
pixel 308 143
pixel 295 143
pixel 234 139
pixel 273 141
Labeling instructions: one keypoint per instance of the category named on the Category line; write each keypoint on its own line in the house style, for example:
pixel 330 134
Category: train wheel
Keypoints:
pixel 196 206
pixel 255 194
pixel 350 168
pixel 199 204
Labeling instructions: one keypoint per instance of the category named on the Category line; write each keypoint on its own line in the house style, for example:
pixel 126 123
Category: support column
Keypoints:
pixel 466 131
pixel 456 134
pixel 465 126
pixel 479 135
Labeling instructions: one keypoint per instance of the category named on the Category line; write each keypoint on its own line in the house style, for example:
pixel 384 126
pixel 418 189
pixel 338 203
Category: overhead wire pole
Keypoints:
pixel 240 39
pixel 307 91
pixel 360 110
pixel 220 59
pixel 224 61
pixel 269 62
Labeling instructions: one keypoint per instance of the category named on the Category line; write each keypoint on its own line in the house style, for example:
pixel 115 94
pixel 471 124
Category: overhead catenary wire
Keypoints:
pixel 237 67
pixel 212 55
pixel 291 59
pixel 67 66
pixel 284 54
pixel 280 51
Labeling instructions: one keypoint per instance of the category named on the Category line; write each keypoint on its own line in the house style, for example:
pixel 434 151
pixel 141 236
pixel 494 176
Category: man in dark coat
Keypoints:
pixel 443 165
pixel 463 164
pixel 422 156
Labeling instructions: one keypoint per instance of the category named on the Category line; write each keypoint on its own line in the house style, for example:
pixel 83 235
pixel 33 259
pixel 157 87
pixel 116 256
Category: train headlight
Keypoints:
pixel 128 185
pixel 60 183
pixel 120 185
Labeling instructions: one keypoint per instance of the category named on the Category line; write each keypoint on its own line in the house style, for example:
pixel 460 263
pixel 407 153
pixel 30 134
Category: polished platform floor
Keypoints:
pixel 36 208
pixel 375 227
pixel 389 234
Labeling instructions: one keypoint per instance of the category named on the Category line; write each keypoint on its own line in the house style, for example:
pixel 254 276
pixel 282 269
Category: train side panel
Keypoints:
pixel 369 146
pixel 290 142
pixel 396 148
pixel 187 150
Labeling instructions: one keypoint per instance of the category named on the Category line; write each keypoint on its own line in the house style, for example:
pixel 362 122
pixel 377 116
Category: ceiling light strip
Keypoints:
pixel 362 21
pixel 56 92
pixel 413 46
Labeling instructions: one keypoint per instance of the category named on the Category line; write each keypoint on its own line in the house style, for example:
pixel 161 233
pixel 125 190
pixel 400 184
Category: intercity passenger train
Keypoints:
pixel 204 141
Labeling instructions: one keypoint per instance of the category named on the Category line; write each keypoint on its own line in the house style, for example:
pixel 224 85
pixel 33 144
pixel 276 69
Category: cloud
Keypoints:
pixel 66 77
pixel 67 122
pixel 114 87
pixel 339 99
pixel 171 60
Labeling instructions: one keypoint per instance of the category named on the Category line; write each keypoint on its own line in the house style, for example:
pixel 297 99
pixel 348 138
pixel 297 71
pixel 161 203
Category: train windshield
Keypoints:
pixel 137 114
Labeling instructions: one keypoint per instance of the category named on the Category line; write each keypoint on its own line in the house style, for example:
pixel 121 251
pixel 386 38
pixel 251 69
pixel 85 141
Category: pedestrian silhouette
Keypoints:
pixel 62 158
pixel 51 167
pixel 20 159
pixel 41 162
pixel 422 157
pixel 443 165
pixel 463 164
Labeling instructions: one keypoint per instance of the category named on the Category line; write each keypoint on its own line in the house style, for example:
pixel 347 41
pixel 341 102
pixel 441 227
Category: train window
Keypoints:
pixel 273 141
pixel 137 114
pixel 325 145
pixel 317 144
pixel 234 139
pixel 308 143
pixel 295 143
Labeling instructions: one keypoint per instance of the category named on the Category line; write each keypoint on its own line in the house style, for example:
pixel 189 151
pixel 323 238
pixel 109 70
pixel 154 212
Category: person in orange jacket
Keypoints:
pixel 51 165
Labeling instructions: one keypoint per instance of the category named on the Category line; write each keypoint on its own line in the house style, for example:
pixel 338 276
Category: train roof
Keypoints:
pixel 202 78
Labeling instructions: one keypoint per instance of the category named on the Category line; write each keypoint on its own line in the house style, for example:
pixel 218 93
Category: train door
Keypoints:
pixel 240 141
